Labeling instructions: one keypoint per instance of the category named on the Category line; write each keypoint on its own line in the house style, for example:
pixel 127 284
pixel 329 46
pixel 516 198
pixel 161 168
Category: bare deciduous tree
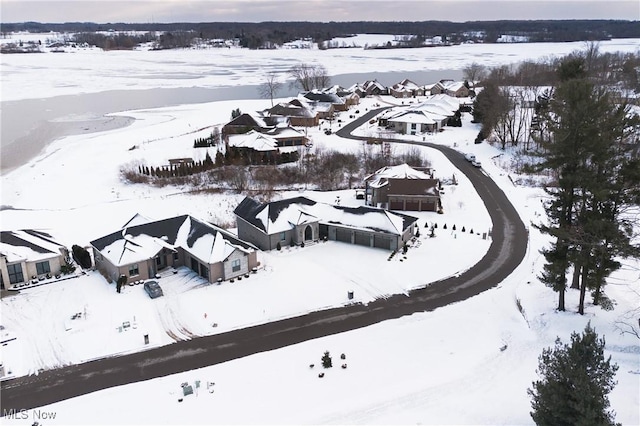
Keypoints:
pixel 270 87
pixel 474 72
pixel 309 76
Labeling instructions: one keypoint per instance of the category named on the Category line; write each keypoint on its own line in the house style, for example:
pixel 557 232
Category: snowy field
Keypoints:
pixel 468 363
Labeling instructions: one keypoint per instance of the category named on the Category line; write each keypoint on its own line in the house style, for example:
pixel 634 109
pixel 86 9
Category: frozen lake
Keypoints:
pixel 48 96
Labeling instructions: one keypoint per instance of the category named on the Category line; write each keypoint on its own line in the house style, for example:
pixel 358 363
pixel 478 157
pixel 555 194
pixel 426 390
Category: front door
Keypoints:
pixel 308 233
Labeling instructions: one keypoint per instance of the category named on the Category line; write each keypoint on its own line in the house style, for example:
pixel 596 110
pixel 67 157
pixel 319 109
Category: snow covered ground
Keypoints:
pixel 468 363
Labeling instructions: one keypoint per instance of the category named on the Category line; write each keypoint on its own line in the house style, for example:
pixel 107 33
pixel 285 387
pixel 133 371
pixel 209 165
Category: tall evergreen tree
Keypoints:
pixel 574 384
pixel 591 153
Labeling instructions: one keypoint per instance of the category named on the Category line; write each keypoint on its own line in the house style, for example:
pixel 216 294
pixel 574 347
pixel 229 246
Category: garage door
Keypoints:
pixel 363 239
pixel 412 205
pixel 343 235
pixel 380 241
pixel 428 206
pixel 396 205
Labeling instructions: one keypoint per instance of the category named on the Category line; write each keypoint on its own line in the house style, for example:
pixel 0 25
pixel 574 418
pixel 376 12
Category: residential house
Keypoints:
pixel 429 116
pixel 319 96
pixel 28 254
pixel 402 187
pixel 141 249
pixel 457 89
pixel 372 88
pixel 246 122
pixel 296 113
pixel 406 89
pixel 300 220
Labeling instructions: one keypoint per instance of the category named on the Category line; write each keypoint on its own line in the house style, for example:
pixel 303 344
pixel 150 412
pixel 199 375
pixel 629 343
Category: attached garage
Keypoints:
pixel 412 205
pixel 363 239
pixel 396 205
pixel 343 235
pixel 380 241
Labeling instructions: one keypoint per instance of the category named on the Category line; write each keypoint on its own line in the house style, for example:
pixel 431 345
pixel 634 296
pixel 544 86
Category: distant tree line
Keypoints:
pixel 265 34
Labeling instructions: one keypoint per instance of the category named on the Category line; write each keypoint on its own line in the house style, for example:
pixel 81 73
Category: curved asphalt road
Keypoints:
pixel 507 249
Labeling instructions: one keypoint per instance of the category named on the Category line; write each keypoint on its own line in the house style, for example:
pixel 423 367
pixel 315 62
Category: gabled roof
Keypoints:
pixel 283 215
pixel 290 110
pixel 413 187
pixel 400 171
pixel 285 133
pixel 28 245
pixel 254 140
pixel 314 95
pixel 137 243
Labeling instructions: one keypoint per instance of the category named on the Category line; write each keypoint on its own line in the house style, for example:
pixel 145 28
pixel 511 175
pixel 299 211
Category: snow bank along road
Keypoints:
pixel 508 248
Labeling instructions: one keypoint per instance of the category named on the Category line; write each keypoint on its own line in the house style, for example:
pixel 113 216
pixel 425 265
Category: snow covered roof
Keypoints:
pixel 422 117
pixel 401 171
pixel 254 140
pixel 28 245
pixel 137 243
pixel 283 215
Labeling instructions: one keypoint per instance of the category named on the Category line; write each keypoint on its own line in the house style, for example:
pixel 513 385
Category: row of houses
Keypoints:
pixel 408 89
pixel 142 248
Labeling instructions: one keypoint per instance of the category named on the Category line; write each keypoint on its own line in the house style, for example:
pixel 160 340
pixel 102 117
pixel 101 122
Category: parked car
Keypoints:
pixel 470 157
pixel 476 163
pixel 153 289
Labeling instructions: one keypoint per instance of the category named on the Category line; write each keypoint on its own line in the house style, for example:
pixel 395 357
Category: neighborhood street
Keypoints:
pixel 508 248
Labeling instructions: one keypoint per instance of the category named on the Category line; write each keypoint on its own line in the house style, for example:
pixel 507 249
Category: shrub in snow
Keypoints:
pixel 417 232
pixel 326 360
pixel 344 365
pixel 471 231
pixel 278 246
pixel 445 226
pixel 454 227
pixel 463 230
pixel 67 268
pixel 321 375
pixel 343 356
pixel 302 244
pixel 311 365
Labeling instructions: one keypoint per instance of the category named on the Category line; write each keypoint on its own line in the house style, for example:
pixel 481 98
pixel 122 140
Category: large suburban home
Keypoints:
pixel 327 97
pixel 369 88
pixel 416 121
pixel 298 114
pixel 457 89
pixel 246 122
pixel 299 220
pixel 27 255
pixel 402 187
pixel 142 249
pixel 429 116
pixel 265 147
pixel 406 89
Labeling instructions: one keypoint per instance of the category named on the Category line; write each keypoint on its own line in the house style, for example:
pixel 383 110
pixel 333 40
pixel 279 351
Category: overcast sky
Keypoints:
pixel 146 11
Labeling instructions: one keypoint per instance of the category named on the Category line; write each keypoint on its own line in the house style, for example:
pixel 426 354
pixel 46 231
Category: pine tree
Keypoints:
pixel 575 381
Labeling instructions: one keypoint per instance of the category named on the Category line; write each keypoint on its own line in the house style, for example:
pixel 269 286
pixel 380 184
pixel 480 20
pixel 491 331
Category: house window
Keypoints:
pixel 283 236
pixel 235 265
pixel 175 256
pixel 133 270
pixel 15 273
pixel 43 267
pixel 413 126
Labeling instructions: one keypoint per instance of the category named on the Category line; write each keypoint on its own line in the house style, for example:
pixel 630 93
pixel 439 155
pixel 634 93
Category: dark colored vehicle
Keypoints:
pixel 153 289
